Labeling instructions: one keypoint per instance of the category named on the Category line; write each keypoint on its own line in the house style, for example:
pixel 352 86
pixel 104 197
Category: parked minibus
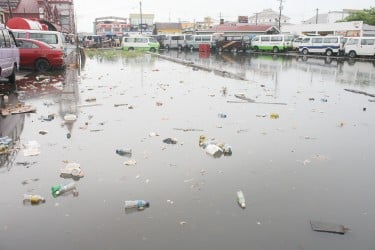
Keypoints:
pixel 9 55
pixel 274 43
pixel 53 38
pixel 360 46
pixel 195 40
pixel 140 42
pixel 327 45
pixel 176 41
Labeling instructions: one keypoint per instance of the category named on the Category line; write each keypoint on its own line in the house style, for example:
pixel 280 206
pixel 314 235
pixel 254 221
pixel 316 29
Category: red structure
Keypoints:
pixel 25 24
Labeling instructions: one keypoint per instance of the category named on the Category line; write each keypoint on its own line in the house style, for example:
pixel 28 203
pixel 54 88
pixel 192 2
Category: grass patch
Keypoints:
pixel 112 54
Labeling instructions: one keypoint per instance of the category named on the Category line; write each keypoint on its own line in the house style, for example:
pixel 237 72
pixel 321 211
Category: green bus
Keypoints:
pixel 274 43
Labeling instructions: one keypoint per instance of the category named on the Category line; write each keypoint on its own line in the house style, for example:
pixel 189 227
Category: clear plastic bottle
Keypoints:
pixel 138 204
pixel 59 189
pixel 241 199
pixel 33 199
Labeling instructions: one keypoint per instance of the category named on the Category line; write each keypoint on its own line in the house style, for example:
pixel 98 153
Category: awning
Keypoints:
pixel 23 23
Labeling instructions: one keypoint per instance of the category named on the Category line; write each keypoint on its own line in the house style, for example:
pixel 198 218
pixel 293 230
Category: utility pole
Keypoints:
pixel 317 13
pixel 10 10
pixel 140 10
pixel 280 9
pixel 256 18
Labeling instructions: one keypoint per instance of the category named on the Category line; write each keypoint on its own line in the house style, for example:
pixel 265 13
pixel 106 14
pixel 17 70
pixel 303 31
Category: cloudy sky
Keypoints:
pixel 167 10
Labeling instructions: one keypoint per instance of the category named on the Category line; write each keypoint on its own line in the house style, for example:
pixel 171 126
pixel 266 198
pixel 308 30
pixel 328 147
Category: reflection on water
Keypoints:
pixel 247 65
pixel 11 126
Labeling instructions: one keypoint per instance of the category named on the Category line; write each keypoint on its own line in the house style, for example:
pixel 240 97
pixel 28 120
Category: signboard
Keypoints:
pixel 243 19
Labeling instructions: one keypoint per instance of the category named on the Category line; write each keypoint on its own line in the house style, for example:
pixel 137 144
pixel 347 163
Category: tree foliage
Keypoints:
pixel 366 15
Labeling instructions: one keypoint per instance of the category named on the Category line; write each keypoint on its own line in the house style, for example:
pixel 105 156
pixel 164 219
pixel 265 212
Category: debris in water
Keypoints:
pixel 328 227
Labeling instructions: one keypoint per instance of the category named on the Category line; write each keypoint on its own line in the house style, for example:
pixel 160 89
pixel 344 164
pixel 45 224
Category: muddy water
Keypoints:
pixel 315 162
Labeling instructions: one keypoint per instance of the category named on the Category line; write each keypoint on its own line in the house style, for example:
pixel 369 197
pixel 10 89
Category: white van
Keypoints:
pixel 142 43
pixel 9 55
pixel 53 38
pixel 176 41
pixel 195 40
pixel 327 45
pixel 360 46
pixel 274 43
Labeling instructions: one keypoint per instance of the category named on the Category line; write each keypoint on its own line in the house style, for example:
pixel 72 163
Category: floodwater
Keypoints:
pixel 315 162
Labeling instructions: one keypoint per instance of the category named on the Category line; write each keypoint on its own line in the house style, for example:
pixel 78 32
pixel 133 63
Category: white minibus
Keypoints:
pixel 9 55
pixel 53 38
pixel 274 43
pixel 176 41
pixel 327 45
pixel 360 46
pixel 195 40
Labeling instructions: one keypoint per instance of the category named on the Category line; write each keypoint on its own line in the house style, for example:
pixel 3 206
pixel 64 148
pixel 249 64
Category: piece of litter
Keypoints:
pixel 130 162
pixel 31 149
pixel 328 227
pixel 182 223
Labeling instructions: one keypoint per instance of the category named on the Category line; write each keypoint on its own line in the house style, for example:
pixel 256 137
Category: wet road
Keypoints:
pixel 315 162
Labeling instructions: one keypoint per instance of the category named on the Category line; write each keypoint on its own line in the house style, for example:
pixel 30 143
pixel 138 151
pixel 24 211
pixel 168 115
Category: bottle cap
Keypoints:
pixel 56 190
pixel 147 204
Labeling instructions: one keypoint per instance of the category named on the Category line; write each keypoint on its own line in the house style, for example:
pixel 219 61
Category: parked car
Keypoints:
pixel 360 46
pixel 9 55
pixel 39 55
pixel 232 43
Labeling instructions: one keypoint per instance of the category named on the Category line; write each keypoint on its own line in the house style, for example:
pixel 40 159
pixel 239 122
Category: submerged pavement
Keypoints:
pixel 307 159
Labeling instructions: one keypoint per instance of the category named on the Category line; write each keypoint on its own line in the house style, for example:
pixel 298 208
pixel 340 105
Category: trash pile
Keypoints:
pixel 214 148
pixel 5 144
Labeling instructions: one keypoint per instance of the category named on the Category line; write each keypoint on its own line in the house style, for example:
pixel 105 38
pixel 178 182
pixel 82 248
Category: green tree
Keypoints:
pixel 366 15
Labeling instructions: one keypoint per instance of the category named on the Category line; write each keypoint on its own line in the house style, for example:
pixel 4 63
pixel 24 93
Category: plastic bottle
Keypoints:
pixel 59 189
pixel 124 151
pixel 33 199
pixel 241 199
pixel 222 115
pixel 139 204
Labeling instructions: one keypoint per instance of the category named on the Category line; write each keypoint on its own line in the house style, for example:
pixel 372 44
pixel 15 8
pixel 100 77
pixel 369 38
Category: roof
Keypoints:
pixel 23 23
pixel 241 28
pixel 159 26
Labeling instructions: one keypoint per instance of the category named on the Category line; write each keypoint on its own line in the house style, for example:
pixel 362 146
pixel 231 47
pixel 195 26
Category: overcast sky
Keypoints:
pixel 166 10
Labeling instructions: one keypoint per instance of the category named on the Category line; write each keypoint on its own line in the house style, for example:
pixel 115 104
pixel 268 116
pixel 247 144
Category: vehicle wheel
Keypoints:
pixel 234 50
pixel 42 65
pixel 329 52
pixel 130 49
pixel 275 50
pixel 152 49
pixel 191 47
pixel 220 49
pixel 352 54
pixel 12 77
pixel 179 47
pixel 256 49
pixel 305 51
pixel 166 47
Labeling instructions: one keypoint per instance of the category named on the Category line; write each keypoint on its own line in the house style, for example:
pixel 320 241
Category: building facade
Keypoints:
pixel 347 29
pixel 330 17
pixel 146 21
pixel 268 17
pixel 65 13
pixel 45 11
pixel 111 26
